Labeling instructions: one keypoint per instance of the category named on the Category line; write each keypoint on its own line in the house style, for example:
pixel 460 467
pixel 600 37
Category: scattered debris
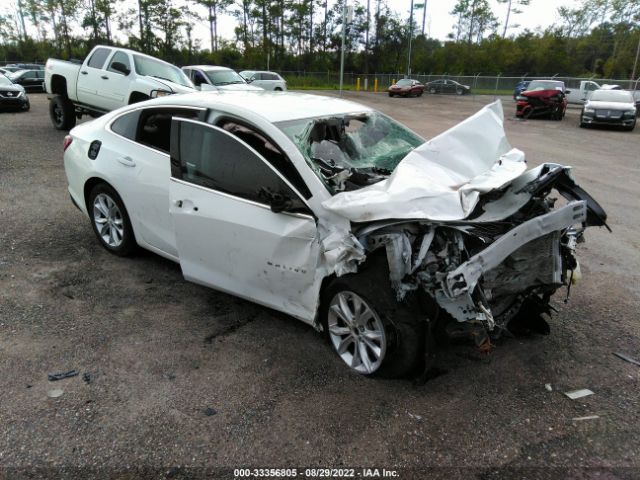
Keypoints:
pixel 588 417
pixel 627 358
pixel 169 376
pixel 86 377
pixel 54 393
pixel 548 387
pixel 575 394
pixel 54 377
pixel 210 412
pixel 417 417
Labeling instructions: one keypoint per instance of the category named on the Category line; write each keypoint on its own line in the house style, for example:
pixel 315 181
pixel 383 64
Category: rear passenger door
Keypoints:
pixel 228 235
pixel 138 157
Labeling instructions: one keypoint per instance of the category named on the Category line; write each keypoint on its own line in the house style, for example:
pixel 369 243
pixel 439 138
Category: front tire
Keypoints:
pixel 432 90
pixel 369 329
pixel 62 113
pixel 26 106
pixel 110 220
pixel 459 91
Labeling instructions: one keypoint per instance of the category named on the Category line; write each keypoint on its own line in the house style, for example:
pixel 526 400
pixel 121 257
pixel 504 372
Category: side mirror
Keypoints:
pixel 249 80
pixel 120 67
pixel 278 202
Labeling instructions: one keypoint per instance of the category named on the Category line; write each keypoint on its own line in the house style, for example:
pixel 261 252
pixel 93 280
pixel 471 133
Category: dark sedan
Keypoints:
pixel 406 87
pixel 31 80
pixel 12 96
pixel 447 86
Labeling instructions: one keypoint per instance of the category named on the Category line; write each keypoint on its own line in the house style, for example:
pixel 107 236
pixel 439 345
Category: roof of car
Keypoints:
pixel 273 106
pixel 207 67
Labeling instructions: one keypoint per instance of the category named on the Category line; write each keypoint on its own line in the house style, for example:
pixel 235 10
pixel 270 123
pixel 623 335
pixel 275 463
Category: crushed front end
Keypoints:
pixel 482 272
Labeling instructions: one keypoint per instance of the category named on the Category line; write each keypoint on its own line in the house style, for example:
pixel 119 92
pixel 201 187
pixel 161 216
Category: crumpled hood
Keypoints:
pixel 552 92
pixel 442 179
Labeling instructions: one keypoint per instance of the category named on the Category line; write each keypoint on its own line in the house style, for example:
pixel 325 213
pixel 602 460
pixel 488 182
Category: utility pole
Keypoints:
pixel 344 34
pixel 424 15
pixel 410 38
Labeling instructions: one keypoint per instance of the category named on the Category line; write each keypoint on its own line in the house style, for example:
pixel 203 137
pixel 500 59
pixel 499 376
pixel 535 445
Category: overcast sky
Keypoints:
pixel 540 13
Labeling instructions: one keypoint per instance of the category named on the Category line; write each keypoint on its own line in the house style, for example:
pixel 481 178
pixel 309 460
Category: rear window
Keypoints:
pixel 98 58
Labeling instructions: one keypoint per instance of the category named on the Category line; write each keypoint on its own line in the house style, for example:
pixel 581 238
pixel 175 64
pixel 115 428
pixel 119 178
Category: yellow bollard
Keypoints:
pixel 375 85
pixel 358 84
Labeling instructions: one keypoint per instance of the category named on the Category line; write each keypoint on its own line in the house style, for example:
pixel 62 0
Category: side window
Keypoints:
pixel 119 57
pixel 98 58
pixel 40 74
pixel 127 125
pixel 213 158
pixel 271 76
pixel 269 151
pixel 154 126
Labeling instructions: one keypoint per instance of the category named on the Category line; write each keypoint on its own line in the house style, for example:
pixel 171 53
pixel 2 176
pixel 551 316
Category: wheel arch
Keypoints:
pixel 59 86
pixel 137 96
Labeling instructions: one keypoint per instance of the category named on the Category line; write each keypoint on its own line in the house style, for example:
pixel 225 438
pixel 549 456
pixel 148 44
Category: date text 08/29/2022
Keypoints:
pixel 240 473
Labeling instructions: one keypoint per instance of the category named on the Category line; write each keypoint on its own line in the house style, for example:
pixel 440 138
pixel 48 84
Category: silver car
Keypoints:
pixel 266 80
pixel 610 107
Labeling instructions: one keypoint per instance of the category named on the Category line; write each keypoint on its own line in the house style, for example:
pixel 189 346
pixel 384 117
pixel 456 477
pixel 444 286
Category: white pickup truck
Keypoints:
pixel 109 78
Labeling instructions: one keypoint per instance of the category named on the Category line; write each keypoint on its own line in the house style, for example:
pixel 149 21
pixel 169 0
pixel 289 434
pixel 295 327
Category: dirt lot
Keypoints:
pixel 160 351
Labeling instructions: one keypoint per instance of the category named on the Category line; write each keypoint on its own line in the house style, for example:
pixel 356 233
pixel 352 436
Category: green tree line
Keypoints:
pixel 597 37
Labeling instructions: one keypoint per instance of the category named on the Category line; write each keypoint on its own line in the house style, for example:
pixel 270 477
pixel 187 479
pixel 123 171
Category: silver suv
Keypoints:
pixel 264 79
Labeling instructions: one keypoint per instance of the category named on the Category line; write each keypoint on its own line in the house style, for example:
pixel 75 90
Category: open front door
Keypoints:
pixel 227 235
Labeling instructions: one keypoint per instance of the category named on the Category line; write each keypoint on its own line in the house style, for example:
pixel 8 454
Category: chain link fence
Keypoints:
pixel 480 84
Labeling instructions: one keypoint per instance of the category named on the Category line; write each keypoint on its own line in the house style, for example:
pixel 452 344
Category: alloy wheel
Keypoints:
pixel 108 220
pixel 356 332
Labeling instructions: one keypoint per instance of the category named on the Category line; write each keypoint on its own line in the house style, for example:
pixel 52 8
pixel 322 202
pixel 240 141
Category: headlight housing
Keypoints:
pixel 589 110
pixel 630 113
pixel 522 97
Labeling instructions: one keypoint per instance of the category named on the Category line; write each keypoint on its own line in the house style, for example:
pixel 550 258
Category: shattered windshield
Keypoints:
pixel 349 151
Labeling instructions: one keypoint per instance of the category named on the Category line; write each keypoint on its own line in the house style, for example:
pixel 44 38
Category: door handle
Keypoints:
pixel 127 161
pixel 84 72
pixel 104 77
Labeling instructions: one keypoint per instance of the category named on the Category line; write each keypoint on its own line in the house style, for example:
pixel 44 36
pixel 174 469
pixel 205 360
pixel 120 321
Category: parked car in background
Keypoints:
pixel 447 86
pixel 610 107
pixel 581 94
pixel 289 200
pixel 520 87
pixel 31 80
pixel 264 79
pixel 109 78
pixel 543 98
pixel 12 96
pixel 210 77
pixel 406 87
pixel 10 69
pixel 26 66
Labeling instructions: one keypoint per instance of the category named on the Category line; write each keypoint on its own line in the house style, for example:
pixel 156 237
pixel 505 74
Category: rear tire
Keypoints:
pixel 110 220
pixel 62 113
pixel 403 323
pixel 459 91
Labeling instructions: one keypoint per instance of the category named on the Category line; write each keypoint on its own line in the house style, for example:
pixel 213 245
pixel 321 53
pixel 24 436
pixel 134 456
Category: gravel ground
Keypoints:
pixel 159 351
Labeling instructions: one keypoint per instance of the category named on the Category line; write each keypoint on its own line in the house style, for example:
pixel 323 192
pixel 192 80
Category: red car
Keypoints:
pixel 543 98
pixel 406 87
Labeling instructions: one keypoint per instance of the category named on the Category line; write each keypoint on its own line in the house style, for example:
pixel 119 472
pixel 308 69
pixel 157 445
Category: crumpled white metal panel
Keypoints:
pixel 443 178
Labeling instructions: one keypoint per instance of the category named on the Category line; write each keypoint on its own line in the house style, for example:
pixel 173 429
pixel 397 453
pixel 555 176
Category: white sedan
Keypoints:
pixel 335 214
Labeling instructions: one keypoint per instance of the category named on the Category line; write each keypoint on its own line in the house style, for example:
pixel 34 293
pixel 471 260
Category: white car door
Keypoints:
pixel 89 79
pixel 113 86
pixel 139 154
pixel 228 236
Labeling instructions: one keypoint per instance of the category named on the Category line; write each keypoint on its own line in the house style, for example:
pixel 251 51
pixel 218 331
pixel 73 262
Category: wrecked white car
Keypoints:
pixel 336 214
